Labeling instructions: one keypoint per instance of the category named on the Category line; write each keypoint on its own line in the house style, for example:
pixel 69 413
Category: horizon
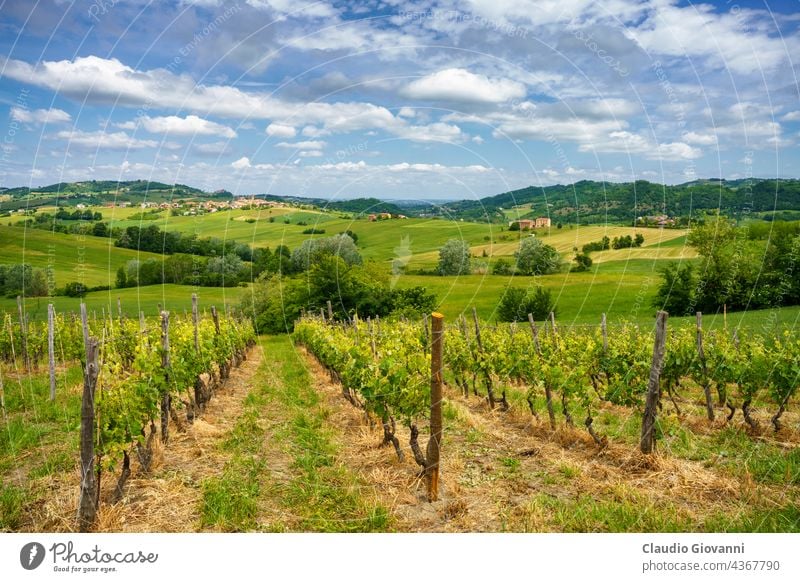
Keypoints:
pixel 449 101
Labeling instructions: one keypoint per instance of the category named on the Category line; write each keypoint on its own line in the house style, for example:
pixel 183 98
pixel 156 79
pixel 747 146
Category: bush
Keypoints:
pixel 454 258
pixel 536 258
pixel 314 231
pixel 74 289
pixel 502 267
pixel 583 262
pixel 517 303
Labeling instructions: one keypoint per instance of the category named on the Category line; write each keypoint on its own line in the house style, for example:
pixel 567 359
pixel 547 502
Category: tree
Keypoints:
pixel 517 303
pixel 100 229
pixel 675 295
pixel 583 262
pixel 536 258
pixel 501 267
pixel 312 250
pixel 637 242
pixel 122 278
pixel 454 258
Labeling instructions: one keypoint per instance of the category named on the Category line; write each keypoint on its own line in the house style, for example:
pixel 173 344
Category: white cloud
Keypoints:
pixel 216 148
pixel 406 112
pixel 174 125
pixel 699 138
pixel 302 145
pixel 791 116
pixel 40 116
pixel 728 39
pixel 102 140
pixel 310 154
pixel 674 152
pixel 241 163
pixel 297 8
pixel 462 86
pixel 280 130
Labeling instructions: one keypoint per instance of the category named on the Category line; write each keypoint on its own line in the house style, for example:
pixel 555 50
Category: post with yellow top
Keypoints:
pixel 435 442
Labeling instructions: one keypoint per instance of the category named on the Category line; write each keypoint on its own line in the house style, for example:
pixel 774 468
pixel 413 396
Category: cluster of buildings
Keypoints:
pixel 541 222
pixel 385 216
pixel 659 220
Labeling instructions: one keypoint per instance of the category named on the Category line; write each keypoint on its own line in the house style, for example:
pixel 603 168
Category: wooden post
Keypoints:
pixel 322 313
pixel 725 316
pixel 85 326
pixel 23 332
pixel 165 397
pixel 215 317
pixel 647 444
pixel 426 327
pixel 702 357
pixel 330 310
pixel 535 334
pixel 51 351
pixel 603 328
pixel 372 338
pixel 553 323
pixel 195 323
pixel 141 321
pixel 119 308
pixel 435 441
pixel 548 392
pixel 87 507
pixel 487 377
pixel 477 328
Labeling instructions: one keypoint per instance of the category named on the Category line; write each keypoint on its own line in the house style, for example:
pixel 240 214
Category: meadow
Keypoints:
pixel 621 283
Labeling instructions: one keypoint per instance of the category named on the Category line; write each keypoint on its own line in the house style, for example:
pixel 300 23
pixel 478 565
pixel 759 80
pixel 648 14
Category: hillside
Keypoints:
pixel 98 192
pixel 588 201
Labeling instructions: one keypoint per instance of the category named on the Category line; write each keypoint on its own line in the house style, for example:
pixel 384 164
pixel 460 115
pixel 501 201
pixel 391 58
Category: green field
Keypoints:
pixel 621 283
pixel 91 260
pixel 175 298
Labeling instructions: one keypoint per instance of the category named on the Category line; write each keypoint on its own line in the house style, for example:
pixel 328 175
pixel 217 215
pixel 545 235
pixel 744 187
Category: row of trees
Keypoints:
pixel 740 268
pixel 533 258
pixel 321 271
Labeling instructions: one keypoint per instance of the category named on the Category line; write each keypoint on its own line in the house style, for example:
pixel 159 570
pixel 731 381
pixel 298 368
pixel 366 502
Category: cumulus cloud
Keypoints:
pixel 280 130
pixel 102 140
pixel 173 125
pixel 462 86
pixel 302 145
pixel 40 116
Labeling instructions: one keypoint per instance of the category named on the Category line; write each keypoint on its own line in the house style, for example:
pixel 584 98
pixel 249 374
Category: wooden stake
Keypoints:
pixel 330 310
pixel 195 323
pixel 702 357
pixel 85 326
pixel 51 352
pixel 87 507
pixel 435 442
pixel 215 317
pixel 647 443
pixel 605 332
pixel 165 364
pixel 23 331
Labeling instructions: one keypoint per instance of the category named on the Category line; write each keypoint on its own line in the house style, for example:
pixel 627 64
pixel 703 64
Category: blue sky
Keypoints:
pixel 397 99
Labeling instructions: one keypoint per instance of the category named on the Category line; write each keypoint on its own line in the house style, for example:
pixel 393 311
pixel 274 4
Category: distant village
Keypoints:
pixel 541 222
pixel 190 207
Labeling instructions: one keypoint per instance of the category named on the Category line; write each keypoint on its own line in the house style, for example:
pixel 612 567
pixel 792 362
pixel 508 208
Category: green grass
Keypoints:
pixel 322 491
pixel 174 298
pixel 88 259
pixel 12 500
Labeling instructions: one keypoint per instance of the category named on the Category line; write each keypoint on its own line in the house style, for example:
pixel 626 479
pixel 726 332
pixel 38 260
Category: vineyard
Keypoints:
pixel 538 426
pixel 714 384
pixel 385 367
pixel 139 376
